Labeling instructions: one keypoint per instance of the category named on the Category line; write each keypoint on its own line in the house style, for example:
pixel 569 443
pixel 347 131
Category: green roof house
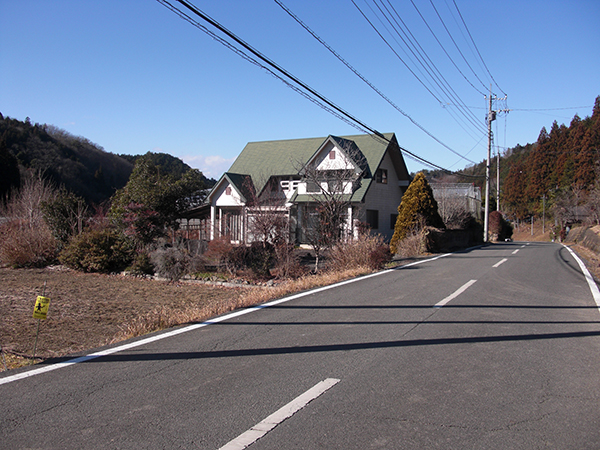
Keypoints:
pixel 364 173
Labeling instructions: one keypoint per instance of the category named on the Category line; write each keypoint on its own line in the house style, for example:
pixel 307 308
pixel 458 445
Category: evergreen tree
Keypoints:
pixel 152 201
pixel 417 208
pixel 9 171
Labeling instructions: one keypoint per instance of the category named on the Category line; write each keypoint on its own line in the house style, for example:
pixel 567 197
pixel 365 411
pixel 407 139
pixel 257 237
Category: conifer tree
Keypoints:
pixel 417 206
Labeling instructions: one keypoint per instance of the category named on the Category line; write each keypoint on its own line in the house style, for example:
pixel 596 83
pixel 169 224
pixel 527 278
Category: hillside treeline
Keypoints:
pixel 71 162
pixel 74 162
pixel 559 171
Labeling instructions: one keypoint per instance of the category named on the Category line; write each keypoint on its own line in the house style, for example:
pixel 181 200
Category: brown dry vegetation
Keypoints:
pixel 91 310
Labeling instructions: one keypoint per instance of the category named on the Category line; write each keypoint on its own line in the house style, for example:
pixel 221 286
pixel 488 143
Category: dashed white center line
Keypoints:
pixel 500 262
pixel 516 251
pixel 459 291
pixel 260 429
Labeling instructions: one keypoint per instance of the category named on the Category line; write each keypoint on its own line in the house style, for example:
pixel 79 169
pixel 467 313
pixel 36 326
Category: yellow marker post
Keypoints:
pixel 40 311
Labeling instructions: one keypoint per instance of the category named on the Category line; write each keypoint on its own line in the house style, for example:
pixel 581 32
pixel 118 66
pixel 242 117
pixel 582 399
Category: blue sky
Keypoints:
pixel 133 77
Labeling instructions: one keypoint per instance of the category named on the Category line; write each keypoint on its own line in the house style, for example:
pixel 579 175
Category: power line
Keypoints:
pixel 444 49
pixel 455 44
pixel 358 74
pixel 280 73
pixel 551 109
pixel 423 58
pixel 473 41
pixel 474 123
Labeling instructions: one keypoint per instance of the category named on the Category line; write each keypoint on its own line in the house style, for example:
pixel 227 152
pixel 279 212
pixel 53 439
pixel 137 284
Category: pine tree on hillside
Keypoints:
pixel 10 177
pixel 418 206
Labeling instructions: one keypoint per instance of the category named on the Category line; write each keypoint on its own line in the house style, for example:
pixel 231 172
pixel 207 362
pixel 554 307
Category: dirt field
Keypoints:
pixel 91 310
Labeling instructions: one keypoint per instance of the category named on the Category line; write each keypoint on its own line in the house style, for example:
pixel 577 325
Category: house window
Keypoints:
pixel 313 187
pixel 373 219
pixel 381 176
pixel 228 190
pixel 332 154
pixel 393 219
pixel 285 185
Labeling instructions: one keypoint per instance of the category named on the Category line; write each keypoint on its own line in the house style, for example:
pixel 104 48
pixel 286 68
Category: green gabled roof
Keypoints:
pixel 262 160
pixel 241 182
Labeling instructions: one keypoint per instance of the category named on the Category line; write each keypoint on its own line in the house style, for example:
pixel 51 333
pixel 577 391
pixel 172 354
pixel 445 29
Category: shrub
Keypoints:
pixel 171 262
pixel 218 252
pixel 368 251
pixel 23 245
pixel 499 228
pixel 260 257
pixel 413 244
pixel 418 208
pixel 65 214
pixel 142 265
pixel 103 250
pixel 287 261
pixel 25 239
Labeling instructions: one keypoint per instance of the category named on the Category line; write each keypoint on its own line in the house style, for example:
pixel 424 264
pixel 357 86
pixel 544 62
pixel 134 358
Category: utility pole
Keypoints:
pixel 498 179
pixel 491 116
pixel 486 220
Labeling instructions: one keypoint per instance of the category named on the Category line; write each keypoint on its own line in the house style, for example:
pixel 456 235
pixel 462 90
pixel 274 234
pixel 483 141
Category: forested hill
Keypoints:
pixel 70 161
pixel 563 159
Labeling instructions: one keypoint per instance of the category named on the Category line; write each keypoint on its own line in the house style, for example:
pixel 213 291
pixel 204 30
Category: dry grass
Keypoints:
pixel 413 245
pixel 90 310
pixel 163 317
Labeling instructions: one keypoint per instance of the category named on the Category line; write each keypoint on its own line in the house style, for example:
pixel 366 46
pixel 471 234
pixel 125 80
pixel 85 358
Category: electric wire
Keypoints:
pixel 425 60
pixel 279 73
pixel 454 42
pixel 364 79
pixel 444 49
pixel 436 96
pixel 404 62
pixel 248 58
pixel 477 49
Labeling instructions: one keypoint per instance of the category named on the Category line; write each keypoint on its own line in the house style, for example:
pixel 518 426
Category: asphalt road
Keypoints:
pixel 494 348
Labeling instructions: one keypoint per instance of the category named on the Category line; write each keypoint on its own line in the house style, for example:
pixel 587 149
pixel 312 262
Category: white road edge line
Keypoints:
pixel 456 294
pixel 588 277
pixel 500 262
pixel 260 429
pixel 172 333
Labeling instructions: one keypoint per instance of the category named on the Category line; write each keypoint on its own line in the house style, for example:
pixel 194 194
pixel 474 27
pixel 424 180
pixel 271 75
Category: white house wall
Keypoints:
pixel 384 198
pixel 223 199
pixel 341 161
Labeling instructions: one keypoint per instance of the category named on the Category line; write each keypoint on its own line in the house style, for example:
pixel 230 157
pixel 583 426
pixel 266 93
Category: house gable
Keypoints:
pixel 231 190
pixel 337 154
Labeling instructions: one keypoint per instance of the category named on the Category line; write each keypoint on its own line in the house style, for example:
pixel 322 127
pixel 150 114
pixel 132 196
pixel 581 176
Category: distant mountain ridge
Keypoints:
pixel 71 161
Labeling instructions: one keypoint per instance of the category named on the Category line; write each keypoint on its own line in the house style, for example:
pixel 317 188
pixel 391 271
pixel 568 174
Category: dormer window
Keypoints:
pixel 381 176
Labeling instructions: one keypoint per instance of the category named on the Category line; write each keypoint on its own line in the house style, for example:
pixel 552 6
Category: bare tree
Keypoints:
pixel 269 224
pixel 25 238
pixel 593 203
pixel 570 205
pixel 330 182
